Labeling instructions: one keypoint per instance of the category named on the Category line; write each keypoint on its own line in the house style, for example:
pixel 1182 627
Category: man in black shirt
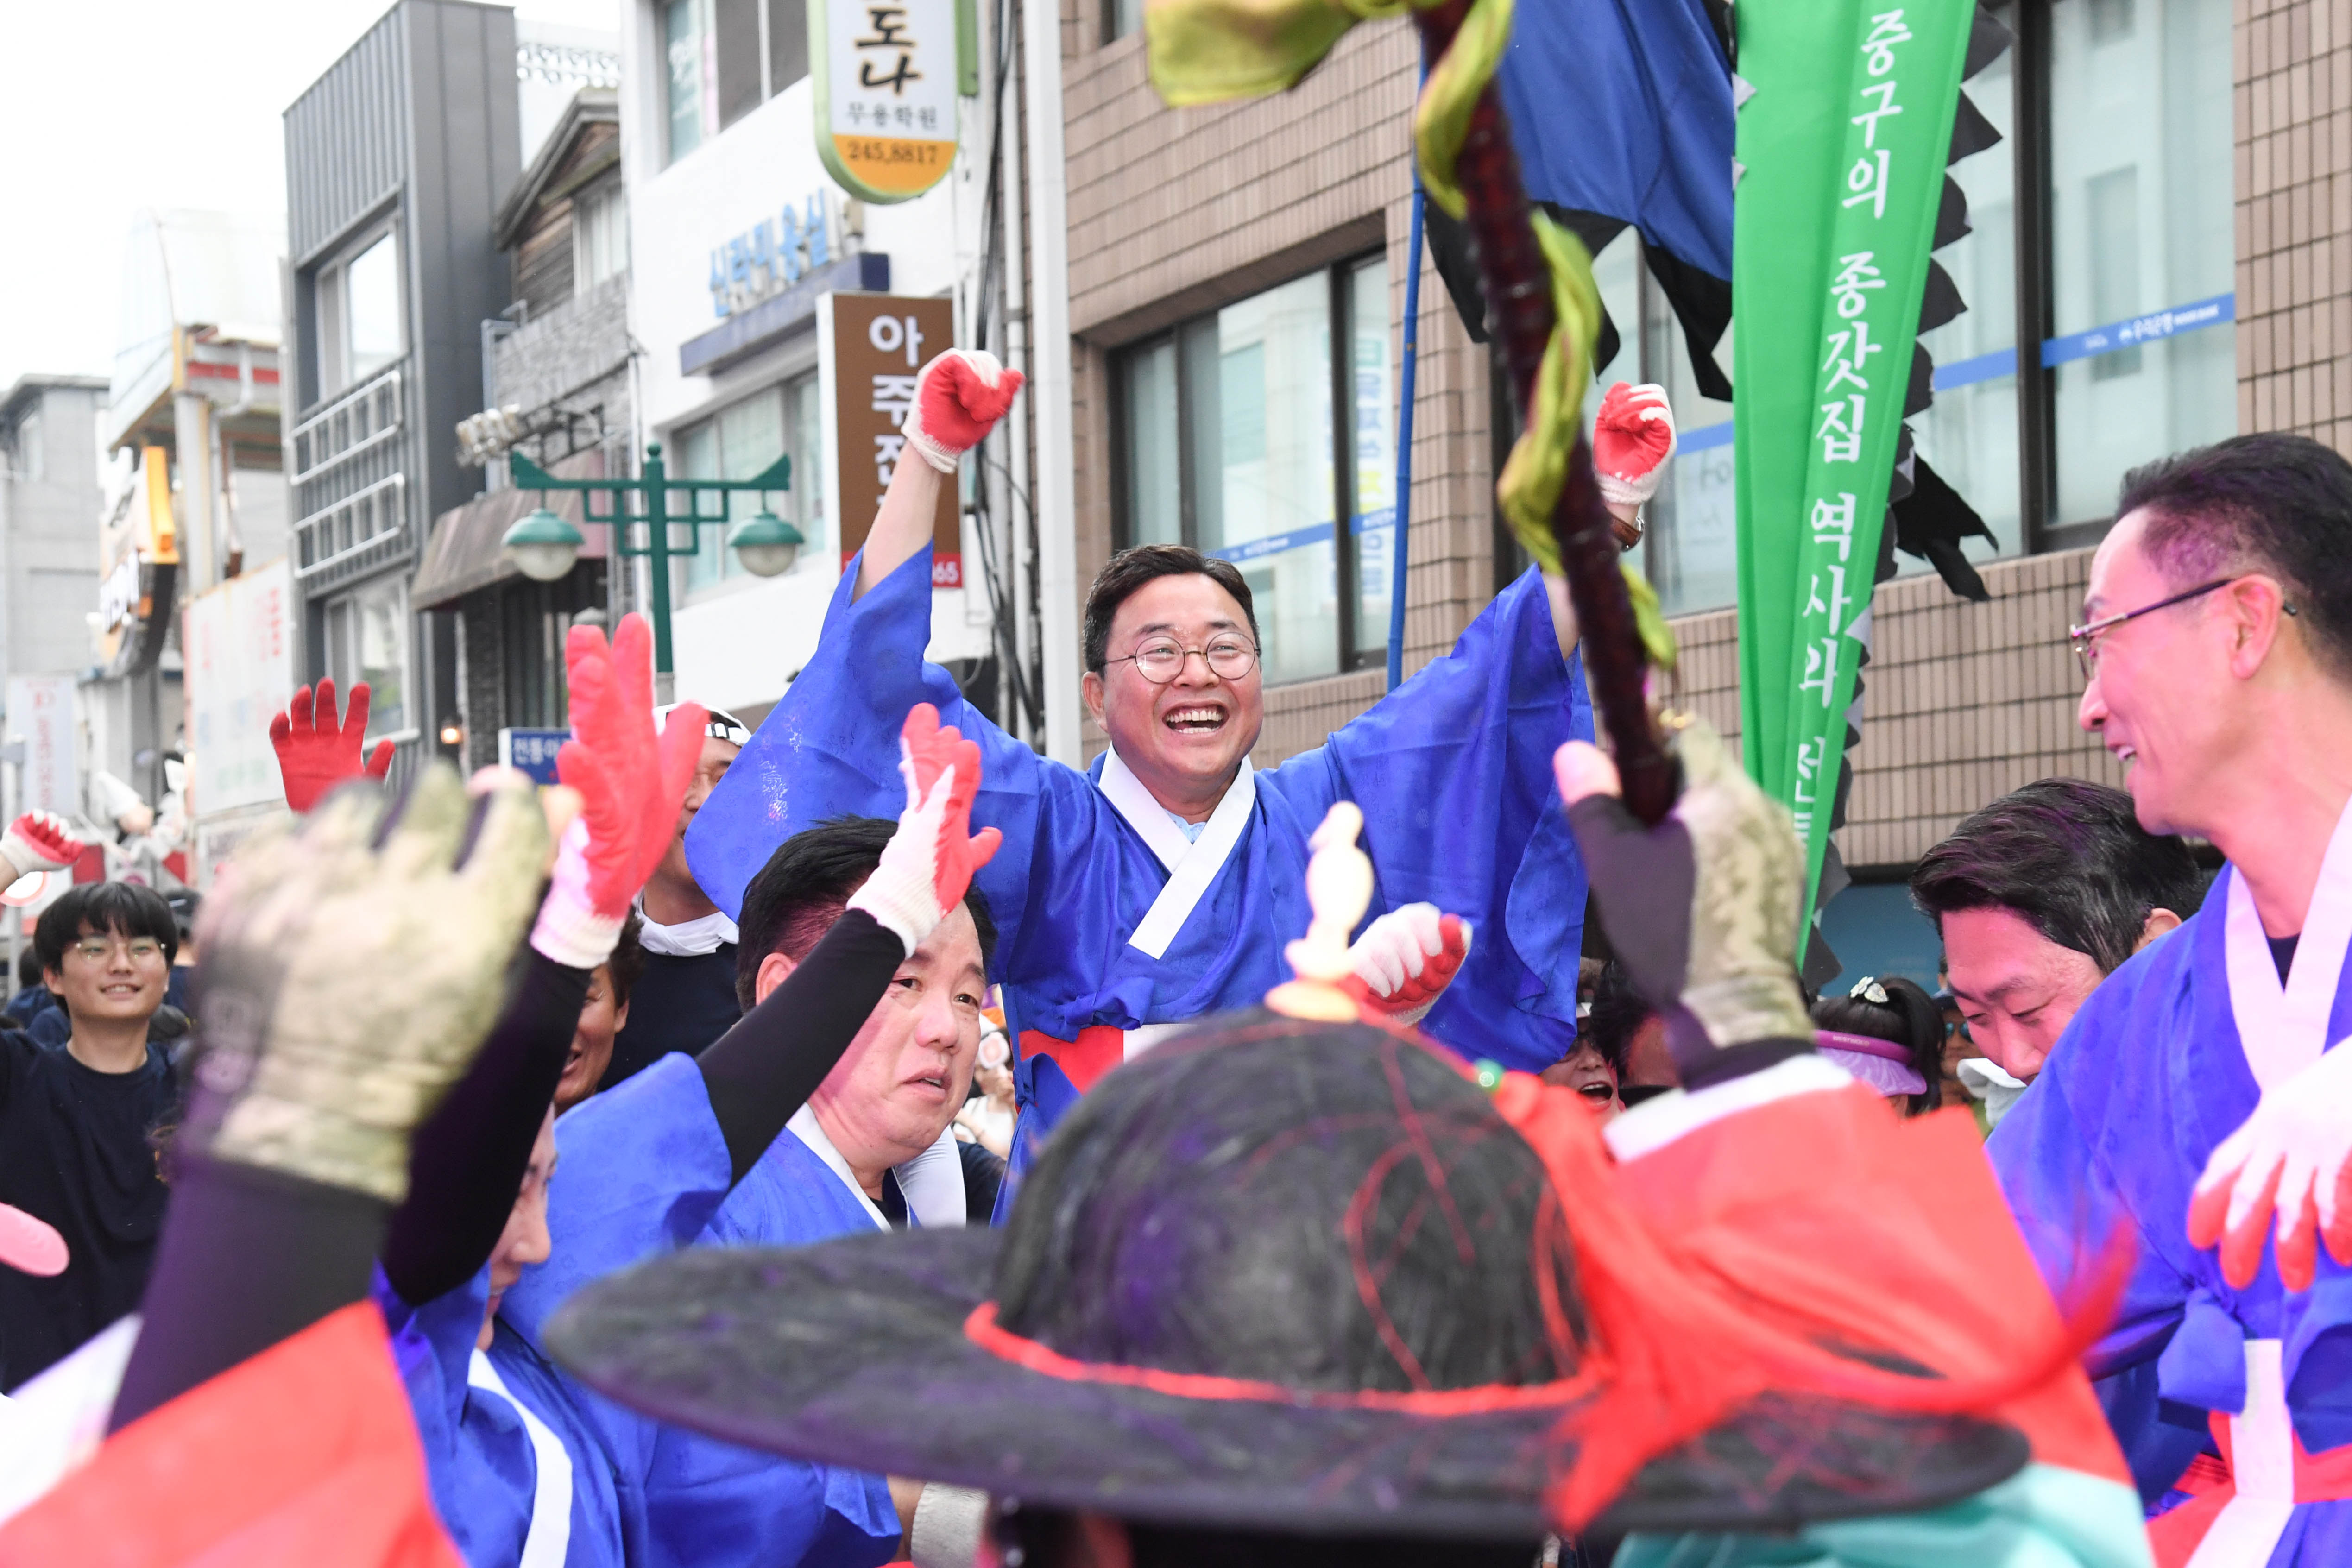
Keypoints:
pixel 684 996
pixel 76 1123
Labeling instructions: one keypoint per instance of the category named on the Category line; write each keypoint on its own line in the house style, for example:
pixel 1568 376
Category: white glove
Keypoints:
pixel 946 1531
pixel 569 930
pixel 1407 958
pixel 2291 1159
pixel 39 840
pixel 929 860
pixel 959 398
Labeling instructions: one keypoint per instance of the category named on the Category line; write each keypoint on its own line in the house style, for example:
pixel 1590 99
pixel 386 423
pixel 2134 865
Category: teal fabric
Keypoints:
pixel 2043 1517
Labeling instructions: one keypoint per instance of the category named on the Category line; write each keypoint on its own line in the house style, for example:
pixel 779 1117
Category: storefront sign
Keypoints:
pixel 41 714
pixel 870 349
pixel 238 641
pixel 773 255
pixel 139 556
pixel 886 73
pixel 531 751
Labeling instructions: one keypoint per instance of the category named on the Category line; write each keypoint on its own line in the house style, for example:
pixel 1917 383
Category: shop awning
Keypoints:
pixel 466 554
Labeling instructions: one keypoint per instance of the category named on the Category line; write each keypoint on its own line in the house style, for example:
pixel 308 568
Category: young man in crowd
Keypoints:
pixel 687 986
pixel 2039 897
pixel 2217 651
pixel 76 1122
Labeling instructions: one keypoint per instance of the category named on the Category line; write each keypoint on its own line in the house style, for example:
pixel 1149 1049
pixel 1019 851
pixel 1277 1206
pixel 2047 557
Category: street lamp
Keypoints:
pixel 543 546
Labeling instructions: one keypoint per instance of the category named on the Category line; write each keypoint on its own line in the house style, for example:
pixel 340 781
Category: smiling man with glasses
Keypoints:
pixel 77 1120
pixel 1158 885
pixel 2216 645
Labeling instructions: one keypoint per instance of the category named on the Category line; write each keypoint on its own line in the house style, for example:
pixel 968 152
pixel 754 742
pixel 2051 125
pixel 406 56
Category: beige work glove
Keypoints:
pixel 346 984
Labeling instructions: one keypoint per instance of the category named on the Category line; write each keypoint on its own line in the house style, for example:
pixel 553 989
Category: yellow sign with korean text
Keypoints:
pixel 887 78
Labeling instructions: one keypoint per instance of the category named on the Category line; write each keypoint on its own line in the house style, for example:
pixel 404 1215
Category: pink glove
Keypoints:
pixel 1632 436
pixel 959 398
pixel 312 758
pixel 2292 1160
pixel 928 863
pixel 631 780
pixel 39 840
pixel 1406 958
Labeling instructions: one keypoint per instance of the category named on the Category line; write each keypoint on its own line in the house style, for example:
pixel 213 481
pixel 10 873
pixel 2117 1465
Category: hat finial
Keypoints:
pixel 1338 891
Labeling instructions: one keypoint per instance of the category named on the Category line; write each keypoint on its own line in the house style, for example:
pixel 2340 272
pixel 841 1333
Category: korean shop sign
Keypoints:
pixel 886 73
pixel 773 255
pixel 869 350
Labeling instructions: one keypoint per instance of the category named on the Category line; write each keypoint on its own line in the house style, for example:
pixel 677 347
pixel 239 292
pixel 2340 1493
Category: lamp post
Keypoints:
pixel 543 546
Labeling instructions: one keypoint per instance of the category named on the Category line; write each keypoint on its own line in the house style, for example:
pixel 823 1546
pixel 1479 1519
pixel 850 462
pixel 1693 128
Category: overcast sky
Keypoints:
pixel 109 105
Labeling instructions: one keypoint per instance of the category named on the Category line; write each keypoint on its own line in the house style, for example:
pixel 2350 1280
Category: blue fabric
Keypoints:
pixel 2109 1140
pixel 30 1002
pixel 1041 1095
pixel 641 1170
pixel 1623 107
pixel 1453 771
pixel 52 1027
pixel 478 1458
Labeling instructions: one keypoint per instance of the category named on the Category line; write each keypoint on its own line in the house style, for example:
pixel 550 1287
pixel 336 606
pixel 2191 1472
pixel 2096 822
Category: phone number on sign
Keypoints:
pixel 874 150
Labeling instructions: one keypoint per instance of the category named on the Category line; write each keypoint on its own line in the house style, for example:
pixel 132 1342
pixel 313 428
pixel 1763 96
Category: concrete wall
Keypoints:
pixel 48 530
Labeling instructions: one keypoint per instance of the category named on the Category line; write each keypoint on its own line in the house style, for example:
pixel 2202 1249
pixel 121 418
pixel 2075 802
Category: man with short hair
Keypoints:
pixel 1158 884
pixel 2217 651
pixel 686 993
pixel 76 1122
pixel 2039 897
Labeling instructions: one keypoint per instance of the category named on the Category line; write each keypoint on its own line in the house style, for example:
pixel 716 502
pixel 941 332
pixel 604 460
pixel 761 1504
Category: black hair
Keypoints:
pixel 1619 1011
pixel 1050 1539
pixel 28 967
pixel 112 908
pixel 2272 502
pixel 628 962
pixel 802 890
pixel 1129 569
pixel 2069 857
pixel 1909 1017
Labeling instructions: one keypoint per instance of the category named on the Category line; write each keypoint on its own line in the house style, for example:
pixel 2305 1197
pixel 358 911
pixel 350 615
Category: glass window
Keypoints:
pixel 738 58
pixel 1969 435
pixel 1229 440
pixel 1692 551
pixel 2142 222
pixel 1122 18
pixel 600 236
pixel 787 44
pixel 738 443
pixel 685 42
pixel 367 640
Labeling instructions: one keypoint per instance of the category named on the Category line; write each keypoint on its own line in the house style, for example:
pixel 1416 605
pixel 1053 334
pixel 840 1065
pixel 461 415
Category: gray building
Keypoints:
pixel 558 390
pixel 396 161
pixel 49 502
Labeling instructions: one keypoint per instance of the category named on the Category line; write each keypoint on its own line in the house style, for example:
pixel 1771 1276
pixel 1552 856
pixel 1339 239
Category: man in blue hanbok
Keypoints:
pixel 1158 884
pixel 2218 651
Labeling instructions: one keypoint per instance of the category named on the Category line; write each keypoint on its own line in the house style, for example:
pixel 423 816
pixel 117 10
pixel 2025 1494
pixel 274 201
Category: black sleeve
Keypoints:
pixel 466 1161
pixel 765 1068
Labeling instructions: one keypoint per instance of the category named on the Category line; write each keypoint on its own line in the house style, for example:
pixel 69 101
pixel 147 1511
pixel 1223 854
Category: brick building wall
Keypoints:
pixel 1176 212
pixel 2292 92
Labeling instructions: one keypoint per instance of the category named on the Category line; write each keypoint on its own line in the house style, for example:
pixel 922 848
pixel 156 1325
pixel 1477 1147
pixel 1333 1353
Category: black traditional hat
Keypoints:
pixel 1298 1277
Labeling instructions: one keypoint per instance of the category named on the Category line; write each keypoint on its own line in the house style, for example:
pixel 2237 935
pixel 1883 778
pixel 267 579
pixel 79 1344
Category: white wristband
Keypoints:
pixel 946 1532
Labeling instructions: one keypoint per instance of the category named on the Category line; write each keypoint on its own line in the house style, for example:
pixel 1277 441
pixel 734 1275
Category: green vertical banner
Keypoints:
pixel 1844 128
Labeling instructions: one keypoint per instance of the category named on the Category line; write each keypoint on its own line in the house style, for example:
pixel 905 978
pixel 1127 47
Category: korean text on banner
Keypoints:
pixel 870 348
pixel 1843 144
pixel 41 714
pixel 238 641
pixel 886 73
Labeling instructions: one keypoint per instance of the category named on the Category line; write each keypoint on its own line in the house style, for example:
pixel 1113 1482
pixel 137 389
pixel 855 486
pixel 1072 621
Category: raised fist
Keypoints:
pixel 39 841
pixel 959 398
pixel 1632 436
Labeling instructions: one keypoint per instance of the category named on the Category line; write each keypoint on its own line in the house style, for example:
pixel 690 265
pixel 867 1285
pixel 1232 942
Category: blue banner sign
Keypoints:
pixel 1243 552
pixel 531 751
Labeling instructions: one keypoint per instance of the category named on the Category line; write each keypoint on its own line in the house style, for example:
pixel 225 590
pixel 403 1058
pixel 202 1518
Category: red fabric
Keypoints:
pixel 2175 1536
pixel 930 751
pixel 315 753
pixel 90 864
pixel 1097 1050
pixel 1830 1210
pixel 632 781
pixel 957 408
pixel 303 1456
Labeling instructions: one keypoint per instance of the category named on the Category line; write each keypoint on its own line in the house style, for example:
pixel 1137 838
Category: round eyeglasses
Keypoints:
pixel 1162 659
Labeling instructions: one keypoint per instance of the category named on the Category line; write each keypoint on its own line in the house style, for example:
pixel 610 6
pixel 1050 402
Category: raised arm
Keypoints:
pixel 959 398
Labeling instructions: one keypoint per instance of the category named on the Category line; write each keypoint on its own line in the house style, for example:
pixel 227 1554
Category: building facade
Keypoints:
pixel 736 233
pixel 397 160
pixel 49 523
pixel 2158 241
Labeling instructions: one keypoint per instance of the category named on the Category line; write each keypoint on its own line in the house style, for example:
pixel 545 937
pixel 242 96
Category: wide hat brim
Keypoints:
pixel 853 1352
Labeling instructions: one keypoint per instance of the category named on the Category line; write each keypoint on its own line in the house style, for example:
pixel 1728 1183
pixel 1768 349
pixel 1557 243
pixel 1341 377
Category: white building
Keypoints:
pixel 735 232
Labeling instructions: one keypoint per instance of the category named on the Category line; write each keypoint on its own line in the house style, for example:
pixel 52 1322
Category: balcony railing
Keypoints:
pixel 361 419
pixel 368 521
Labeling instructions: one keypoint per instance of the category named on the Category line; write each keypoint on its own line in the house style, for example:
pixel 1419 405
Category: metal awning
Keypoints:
pixel 465 554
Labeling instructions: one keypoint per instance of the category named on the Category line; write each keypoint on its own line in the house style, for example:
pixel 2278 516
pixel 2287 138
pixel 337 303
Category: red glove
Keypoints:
pixel 312 758
pixel 1632 436
pixel 1406 959
pixel 959 398
pixel 630 776
pixel 928 863
pixel 39 840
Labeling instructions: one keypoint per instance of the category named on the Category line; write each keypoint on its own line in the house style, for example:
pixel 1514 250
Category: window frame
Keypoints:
pixel 1338 275
pixel 331 316
pixel 710 111
pixel 346 599
pixel 803 503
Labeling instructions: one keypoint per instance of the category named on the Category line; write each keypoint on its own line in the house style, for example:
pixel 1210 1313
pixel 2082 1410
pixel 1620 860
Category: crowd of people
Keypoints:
pixel 866 1140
